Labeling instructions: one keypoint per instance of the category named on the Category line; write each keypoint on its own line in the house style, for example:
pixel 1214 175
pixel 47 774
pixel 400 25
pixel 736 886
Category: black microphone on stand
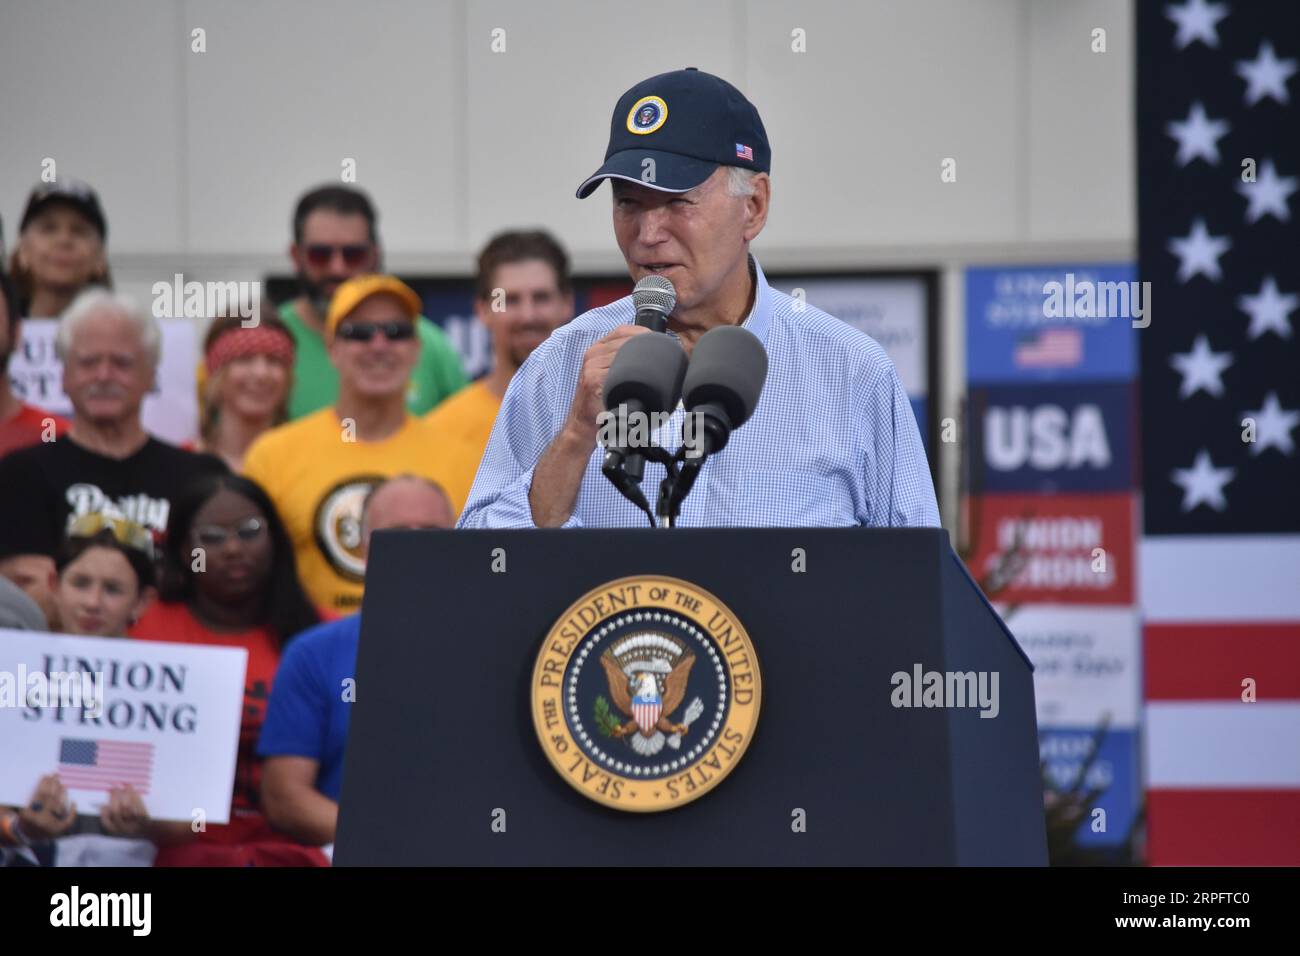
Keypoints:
pixel 720 392
pixel 644 380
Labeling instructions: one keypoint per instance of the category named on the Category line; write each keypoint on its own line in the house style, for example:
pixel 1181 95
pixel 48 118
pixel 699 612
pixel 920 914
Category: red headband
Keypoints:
pixel 241 343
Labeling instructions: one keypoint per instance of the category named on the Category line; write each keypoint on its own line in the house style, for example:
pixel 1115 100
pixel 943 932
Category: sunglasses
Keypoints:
pixel 215 535
pixel 127 533
pixel 395 330
pixel 321 254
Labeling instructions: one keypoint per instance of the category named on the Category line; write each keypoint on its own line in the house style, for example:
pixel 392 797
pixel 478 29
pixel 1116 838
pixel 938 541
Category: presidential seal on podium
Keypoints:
pixel 646 693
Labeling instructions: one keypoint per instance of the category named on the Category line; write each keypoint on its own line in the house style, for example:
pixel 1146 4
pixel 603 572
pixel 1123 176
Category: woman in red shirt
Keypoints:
pixel 228 578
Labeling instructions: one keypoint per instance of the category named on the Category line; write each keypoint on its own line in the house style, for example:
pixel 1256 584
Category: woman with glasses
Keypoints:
pixel 244 382
pixel 228 579
pixel 103 579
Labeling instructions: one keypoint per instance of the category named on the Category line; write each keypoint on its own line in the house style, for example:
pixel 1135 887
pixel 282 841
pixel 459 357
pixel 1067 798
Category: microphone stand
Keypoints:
pixel 673 489
pixel 676 485
pixel 627 483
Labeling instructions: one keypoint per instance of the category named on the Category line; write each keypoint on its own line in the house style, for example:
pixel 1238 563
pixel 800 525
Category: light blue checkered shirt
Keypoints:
pixel 832 443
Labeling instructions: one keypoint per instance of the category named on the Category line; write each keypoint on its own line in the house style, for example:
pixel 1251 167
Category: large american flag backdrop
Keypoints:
pixel 1218 117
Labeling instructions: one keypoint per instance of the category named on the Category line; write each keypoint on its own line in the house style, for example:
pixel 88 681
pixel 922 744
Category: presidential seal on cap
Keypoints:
pixel 646 693
pixel 686 124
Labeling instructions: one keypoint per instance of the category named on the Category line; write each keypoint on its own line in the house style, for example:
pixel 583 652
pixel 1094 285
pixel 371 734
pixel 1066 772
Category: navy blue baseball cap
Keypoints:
pixel 690 123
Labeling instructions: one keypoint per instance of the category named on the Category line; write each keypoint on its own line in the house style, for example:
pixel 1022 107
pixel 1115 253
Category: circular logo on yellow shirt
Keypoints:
pixel 646 693
pixel 338 525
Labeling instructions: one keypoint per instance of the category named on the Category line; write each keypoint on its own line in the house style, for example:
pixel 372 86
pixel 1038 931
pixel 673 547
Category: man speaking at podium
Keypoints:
pixel 831 441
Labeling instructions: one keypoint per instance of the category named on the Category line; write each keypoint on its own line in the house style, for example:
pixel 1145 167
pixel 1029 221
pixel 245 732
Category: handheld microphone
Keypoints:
pixel 654 298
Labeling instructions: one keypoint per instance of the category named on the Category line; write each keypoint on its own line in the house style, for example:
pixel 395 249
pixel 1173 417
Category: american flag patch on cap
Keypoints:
pixel 744 152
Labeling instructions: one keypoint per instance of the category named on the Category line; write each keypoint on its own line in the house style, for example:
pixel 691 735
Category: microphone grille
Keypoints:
pixel 654 292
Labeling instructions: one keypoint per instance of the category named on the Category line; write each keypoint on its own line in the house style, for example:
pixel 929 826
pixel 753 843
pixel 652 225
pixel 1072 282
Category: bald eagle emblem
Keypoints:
pixel 647 674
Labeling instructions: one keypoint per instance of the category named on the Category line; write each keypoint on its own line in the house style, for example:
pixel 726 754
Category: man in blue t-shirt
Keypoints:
pixel 306 725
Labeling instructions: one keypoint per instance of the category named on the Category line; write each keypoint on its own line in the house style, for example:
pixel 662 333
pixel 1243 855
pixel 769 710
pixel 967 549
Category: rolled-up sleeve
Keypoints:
pixel 899 489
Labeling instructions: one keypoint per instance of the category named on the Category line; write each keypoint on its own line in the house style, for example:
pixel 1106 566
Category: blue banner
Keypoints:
pixel 1052 438
pixel 1053 323
pixel 1076 763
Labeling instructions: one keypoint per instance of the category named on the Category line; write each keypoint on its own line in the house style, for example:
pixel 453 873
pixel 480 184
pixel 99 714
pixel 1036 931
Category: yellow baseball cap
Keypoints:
pixel 359 288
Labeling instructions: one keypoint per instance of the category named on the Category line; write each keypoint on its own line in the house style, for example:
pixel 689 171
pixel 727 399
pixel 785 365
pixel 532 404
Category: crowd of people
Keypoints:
pixel 344 412
pixel 349 412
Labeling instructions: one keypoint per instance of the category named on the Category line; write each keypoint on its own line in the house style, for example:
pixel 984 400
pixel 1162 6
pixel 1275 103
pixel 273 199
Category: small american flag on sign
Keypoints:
pixel 1050 348
pixel 103 764
pixel 744 152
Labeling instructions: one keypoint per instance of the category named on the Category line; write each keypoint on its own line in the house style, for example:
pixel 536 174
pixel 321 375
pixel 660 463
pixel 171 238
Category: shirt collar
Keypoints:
pixel 760 316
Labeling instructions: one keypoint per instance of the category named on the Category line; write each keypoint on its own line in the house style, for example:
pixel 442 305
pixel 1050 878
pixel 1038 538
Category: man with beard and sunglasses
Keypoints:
pixel 107 463
pixel 334 239
pixel 318 470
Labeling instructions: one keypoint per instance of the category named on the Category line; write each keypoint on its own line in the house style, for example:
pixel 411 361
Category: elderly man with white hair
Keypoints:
pixel 832 442
pixel 107 462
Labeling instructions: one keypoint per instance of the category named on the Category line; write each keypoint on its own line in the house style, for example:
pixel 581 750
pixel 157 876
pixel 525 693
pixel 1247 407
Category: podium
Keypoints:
pixel 846 766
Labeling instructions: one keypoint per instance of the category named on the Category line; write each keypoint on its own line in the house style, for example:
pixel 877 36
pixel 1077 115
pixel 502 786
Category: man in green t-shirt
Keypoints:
pixel 334 239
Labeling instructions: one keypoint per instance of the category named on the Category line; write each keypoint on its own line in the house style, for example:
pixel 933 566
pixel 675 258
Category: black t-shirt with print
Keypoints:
pixel 45 487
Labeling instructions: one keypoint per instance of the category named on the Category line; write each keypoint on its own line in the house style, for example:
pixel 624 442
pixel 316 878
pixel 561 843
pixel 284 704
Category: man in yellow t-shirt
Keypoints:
pixel 523 293
pixel 319 469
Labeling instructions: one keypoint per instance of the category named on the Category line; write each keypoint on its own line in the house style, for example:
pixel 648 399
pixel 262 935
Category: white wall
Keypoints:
pixel 198 157
pixel 202 154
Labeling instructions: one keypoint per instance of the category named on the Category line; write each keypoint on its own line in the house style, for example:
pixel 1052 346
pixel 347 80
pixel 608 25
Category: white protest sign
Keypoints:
pixel 164 717
pixel 1087 662
pixel 170 411
pixel 891 311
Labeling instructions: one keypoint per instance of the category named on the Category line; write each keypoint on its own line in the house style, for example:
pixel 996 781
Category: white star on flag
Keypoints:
pixel 1266 75
pixel 1198 136
pixel 1269 194
pixel 1273 426
pixel 1203 483
pixel 1269 310
pixel 1196 20
pixel 1199 251
pixel 1201 368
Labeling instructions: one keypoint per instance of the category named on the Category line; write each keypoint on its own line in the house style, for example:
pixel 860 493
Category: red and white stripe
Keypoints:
pixel 1222 774
pixel 646 715
pixel 1051 349
pixel 117 763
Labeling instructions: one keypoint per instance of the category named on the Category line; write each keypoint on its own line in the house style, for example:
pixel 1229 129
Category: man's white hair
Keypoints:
pixel 98 301
pixel 740 181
